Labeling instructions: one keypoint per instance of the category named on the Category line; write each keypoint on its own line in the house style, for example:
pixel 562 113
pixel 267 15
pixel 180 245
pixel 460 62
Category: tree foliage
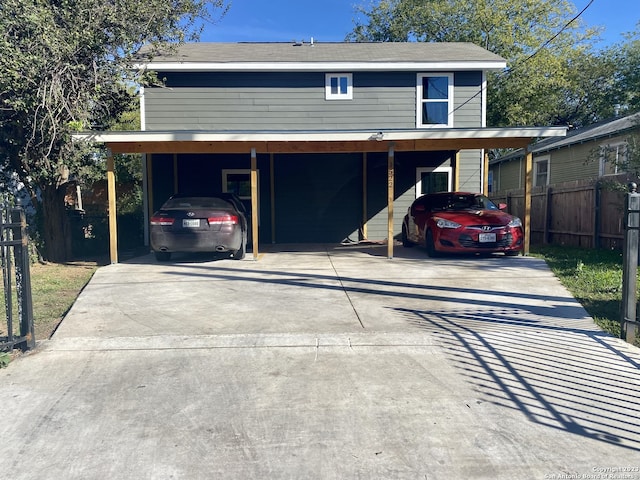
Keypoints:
pixel 626 56
pixel 546 47
pixel 66 66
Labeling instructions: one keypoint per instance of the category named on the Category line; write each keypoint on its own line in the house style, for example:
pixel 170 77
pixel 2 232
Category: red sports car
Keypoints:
pixel 460 222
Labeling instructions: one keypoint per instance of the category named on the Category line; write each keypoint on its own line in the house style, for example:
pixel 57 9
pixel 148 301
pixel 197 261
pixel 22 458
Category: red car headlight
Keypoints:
pixel 444 223
pixel 515 222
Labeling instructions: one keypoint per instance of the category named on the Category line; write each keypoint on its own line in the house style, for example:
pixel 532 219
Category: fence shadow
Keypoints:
pixel 572 379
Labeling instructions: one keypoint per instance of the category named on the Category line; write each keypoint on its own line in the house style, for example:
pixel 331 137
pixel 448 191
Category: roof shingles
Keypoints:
pixel 387 52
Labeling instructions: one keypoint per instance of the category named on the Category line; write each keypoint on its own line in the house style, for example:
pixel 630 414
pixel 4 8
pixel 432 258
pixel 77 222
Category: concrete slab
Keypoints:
pixel 324 363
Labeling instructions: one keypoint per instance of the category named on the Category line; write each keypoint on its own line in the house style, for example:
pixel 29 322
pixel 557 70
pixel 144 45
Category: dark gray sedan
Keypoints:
pixel 212 223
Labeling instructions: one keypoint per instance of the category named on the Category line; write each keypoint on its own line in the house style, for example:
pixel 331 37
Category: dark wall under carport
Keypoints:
pixel 318 198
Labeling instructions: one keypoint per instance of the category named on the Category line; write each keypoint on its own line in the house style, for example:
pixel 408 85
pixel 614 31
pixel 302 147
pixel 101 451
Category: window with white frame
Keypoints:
pixel 433 180
pixel 338 86
pixel 613 158
pixel 238 181
pixel 541 171
pixel 435 100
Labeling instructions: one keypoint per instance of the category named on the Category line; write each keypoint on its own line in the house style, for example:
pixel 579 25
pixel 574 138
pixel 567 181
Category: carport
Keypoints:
pixel 362 142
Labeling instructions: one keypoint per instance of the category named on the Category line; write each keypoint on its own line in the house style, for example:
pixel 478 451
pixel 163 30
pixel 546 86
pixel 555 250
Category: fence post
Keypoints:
pixel 628 322
pixel 548 215
pixel 23 278
pixel 14 243
pixel 596 215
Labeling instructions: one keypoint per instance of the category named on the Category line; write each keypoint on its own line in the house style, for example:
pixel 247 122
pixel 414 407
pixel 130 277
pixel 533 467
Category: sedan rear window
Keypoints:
pixel 197 202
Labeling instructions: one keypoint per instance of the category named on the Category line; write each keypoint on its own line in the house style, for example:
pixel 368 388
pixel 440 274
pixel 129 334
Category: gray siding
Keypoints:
pixel 470 171
pixel 405 188
pixel 296 101
pixel 468 100
pixel 468 108
pixel 277 101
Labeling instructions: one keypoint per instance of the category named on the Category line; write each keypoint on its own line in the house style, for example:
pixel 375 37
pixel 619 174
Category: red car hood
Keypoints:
pixel 476 217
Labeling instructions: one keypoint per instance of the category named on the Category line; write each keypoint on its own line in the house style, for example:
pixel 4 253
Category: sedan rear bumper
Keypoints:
pixel 196 241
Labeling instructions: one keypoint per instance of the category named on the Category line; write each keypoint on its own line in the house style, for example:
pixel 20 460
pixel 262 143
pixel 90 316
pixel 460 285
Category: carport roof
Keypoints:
pixel 201 141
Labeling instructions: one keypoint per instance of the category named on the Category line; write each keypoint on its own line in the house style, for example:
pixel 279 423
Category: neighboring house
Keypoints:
pixel 326 142
pixel 592 152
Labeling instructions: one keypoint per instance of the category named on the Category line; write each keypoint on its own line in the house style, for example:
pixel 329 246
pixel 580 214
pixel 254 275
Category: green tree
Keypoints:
pixel 626 56
pixel 66 65
pixel 541 40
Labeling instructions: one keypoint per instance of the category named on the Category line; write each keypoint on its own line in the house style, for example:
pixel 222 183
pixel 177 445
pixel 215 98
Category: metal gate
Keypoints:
pixel 17 300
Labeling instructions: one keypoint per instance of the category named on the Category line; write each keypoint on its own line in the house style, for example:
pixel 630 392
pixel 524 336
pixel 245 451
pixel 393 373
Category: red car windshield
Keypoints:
pixel 462 202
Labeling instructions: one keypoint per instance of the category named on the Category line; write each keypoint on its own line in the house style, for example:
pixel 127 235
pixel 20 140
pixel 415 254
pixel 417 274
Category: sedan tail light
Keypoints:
pixel 162 221
pixel 223 220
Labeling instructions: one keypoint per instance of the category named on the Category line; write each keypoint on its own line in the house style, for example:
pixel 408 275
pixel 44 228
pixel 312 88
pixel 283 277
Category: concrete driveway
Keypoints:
pixel 324 363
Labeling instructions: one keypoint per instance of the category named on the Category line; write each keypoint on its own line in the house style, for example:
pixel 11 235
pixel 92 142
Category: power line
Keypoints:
pixel 545 44
pixel 536 52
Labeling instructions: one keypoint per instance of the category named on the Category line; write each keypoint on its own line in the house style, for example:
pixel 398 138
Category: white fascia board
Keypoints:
pixel 143 109
pixel 320 136
pixel 320 66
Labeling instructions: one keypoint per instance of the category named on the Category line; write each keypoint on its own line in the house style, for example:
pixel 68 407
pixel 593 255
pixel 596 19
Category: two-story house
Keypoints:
pixel 326 142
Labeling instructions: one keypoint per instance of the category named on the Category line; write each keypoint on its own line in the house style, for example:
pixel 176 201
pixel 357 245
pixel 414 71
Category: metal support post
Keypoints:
pixel 628 322
pixel 23 278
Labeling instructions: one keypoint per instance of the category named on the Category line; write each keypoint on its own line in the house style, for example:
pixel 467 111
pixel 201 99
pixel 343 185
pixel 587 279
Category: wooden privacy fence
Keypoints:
pixel 585 213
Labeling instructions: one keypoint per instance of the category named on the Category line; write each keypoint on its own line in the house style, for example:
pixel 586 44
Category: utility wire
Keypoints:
pixel 545 44
pixel 536 52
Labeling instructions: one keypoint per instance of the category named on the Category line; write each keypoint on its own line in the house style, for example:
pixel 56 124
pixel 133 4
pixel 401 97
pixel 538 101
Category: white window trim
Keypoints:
pixel 419 100
pixel 421 170
pixel 538 160
pixel 338 96
pixel 143 110
pixel 246 171
pixel 603 156
pixel 235 171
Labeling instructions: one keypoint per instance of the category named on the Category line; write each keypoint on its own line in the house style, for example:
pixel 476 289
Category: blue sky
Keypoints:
pixel 332 20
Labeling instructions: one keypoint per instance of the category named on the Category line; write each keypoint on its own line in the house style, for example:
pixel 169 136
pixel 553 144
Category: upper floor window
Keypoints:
pixel 435 100
pixel 338 86
pixel 613 158
pixel 541 172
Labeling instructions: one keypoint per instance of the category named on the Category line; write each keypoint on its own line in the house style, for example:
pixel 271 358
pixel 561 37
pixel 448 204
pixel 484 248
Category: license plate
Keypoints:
pixel 191 223
pixel 486 237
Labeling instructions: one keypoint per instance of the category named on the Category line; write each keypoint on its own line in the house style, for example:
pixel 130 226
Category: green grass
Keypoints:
pixel 594 278
pixel 54 288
